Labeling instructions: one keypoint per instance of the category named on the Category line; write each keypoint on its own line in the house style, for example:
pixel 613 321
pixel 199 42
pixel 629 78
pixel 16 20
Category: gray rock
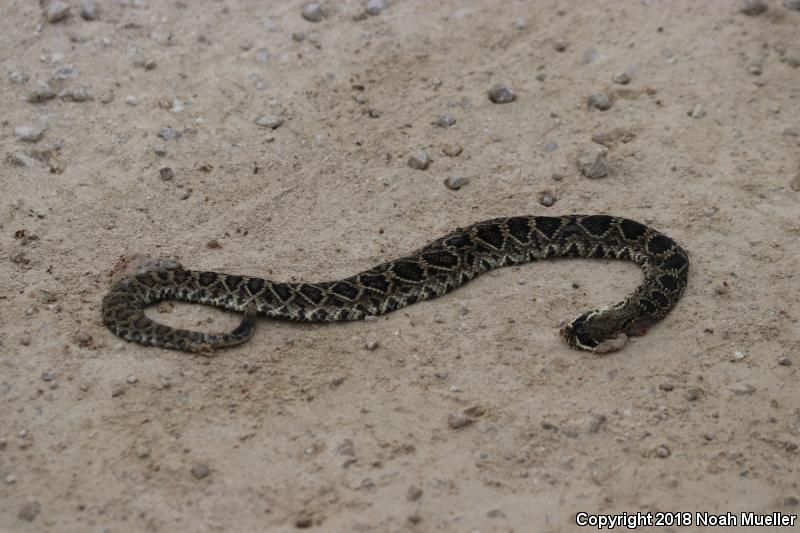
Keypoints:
pixel 41 92
pixel 29 511
pixel 458 420
pixel 88 10
pixel 560 46
pixel 595 422
pixel 162 36
pixel 694 394
pixel 48 376
pixel 56 11
pixel 169 134
pixel 698 111
pixel 600 101
pixel 313 12
pixel 414 493
pixel 371 344
pixel 17 77
pixel 200 471
pixel 445 121
pixel 30 134
pixel 452 149
pixel 142 452
pixel 64 72
pixel 374 7
pixel 269 121
pixel 455 181
pixel 792 132
pixel 593 161
pixel 663 451
pixel 792 4
pixel 500 93
pixel 547 199
pixel 419 160
pixel 10 479
pixel 785 361
pixel 262 55
pixel 753 7
pixel 166 173
pixel 589 56
pixel 743 389
pixel 21 160
pixel 131 100
pixel 160 149
pixel 622 78
pixel 77 94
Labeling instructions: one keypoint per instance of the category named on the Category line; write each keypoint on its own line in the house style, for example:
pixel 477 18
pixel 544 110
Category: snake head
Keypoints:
pixel 599 331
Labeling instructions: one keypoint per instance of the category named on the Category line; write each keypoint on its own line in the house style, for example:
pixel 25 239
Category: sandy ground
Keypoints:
pixel 303 426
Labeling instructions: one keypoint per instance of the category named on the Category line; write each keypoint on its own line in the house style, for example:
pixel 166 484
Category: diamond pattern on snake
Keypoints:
pixel 436 269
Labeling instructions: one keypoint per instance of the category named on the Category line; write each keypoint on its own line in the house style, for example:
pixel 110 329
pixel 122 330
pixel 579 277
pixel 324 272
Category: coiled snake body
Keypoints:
pixel 432 271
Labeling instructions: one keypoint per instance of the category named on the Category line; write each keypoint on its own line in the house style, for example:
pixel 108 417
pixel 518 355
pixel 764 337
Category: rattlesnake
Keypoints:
pixel 431 271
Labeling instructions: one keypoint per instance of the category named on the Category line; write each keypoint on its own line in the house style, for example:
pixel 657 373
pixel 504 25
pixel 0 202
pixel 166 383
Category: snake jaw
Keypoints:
pixel 596 331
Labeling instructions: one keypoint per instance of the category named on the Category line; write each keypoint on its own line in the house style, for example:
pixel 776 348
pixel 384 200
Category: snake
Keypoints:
pixel 431 271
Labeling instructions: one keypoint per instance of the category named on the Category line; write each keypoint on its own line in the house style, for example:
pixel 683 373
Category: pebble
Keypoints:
pixel 142 452
pixel 374 7
pixel 56 11
pixel 132 380
pixel 593 161
pixel 160 149
pixel 48 376
pixel 29 511
pixel 547 199
pixel 595 422
pixel 455 181
pixel 41 92
pixel 262 55
pixel 785 361
pixel 754 69
pixel 200 471
pixel 738 356
pixel 445 121
pixel 452 149
pixel 82 339
pixel 371 344
pixel 560 46
pixel 709 436
pixel 753 7
pixel 360 98
pixel 131 101
pixel 414 493
pixel 795 183
pixel 419 160
pixel 304 521
pixel 88 10
pixel 117 391
pixel 743 389
pixel 17 77
pixel 600 101
pixel 694 394
pixel 77 94
pixel 698 111
pixel 458 420
pixel 30 134
pixel 169 134
pixel 622 78
pixel 663 451
pixel 269 121
pixel 10 479
pixel 792 4
pixel 500 93
pixel 667 386
pixel 21 160
pixel 791 132
pixel 166 173
pixel 313 12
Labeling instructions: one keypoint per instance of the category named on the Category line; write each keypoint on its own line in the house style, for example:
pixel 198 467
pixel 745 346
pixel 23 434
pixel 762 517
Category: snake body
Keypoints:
pixel 434 270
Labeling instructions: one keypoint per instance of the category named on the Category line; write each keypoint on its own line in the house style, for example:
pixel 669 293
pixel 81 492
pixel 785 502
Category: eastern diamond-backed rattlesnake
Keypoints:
pixel 432 271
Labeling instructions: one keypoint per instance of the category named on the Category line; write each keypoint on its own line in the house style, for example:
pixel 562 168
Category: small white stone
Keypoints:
pixel 132 380
pixel 698 111
pixel 56 11
pixel 269 121
pixel 10 479
pixel 131 101
pixel 313 12
pixel 455 181
pixel 593 161
pixel 419 160
pixel 29 134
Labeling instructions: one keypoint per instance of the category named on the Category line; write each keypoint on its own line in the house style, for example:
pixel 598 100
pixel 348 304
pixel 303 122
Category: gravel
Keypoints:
pixel 200 471
pixel 313 12
pixel 547 199
pixel 593 161
pixel 622 78
pixel 452 149
pixel 419 160
pixel 698 111
pixel 374 7
pixel 445 121
pixel 753 7
pixel 269 121
pixel 30 134
pixel 600 100
pixel 166 173
pixel 500 93
pixel 56 12
pixel 29 511
pixel 160 149
pixel 455 181
pixel 663 451
pixel 88 10
pixel 41 92
pixel 169 134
